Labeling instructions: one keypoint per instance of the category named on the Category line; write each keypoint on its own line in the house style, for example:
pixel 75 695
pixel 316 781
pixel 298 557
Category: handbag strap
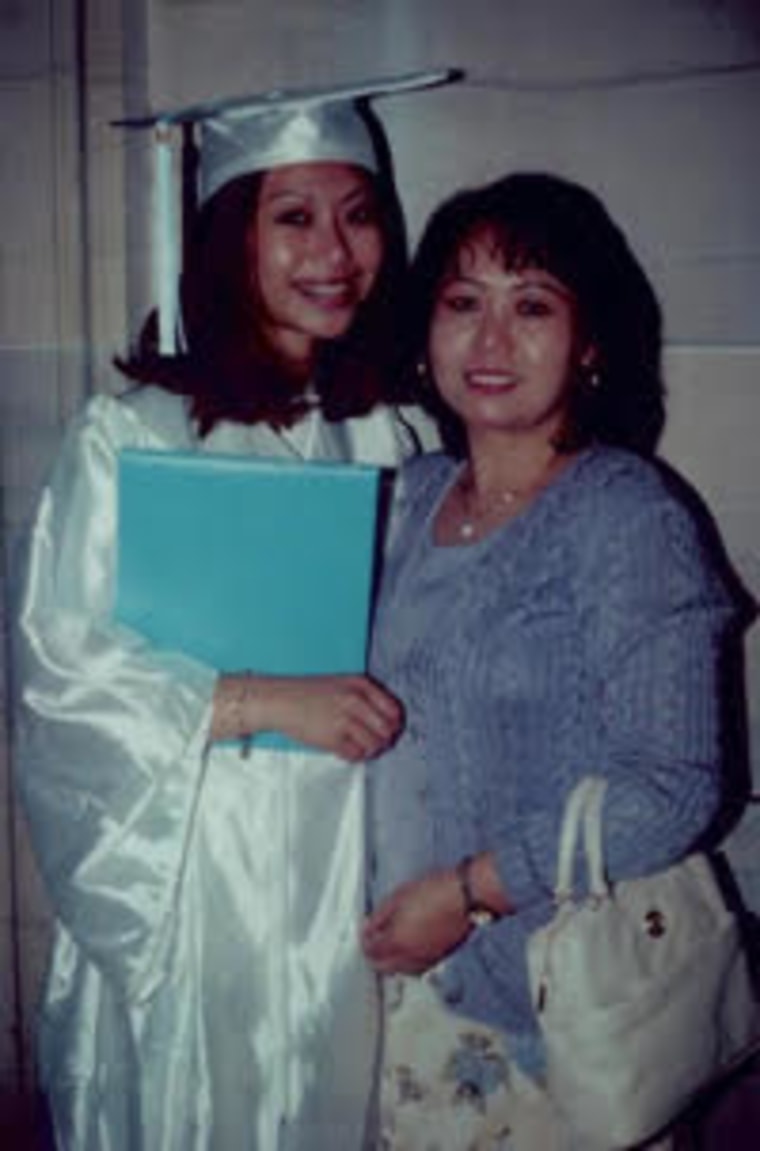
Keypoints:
pixel 583 811
pixel 592 837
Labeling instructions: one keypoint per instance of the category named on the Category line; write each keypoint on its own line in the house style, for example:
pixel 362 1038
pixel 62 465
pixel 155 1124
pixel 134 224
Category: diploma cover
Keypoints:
pixel 246 563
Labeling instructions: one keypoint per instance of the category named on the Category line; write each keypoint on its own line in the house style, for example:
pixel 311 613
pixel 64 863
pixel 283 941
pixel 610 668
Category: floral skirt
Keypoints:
pixel 447 1083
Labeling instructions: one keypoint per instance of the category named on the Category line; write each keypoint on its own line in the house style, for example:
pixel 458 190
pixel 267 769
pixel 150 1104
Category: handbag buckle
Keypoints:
pixel 655 923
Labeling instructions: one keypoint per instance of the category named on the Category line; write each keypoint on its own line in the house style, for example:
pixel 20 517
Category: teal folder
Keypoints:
pixel 264 565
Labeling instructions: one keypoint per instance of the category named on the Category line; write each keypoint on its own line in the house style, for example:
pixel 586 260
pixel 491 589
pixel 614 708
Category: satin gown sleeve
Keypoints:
pixel 112 733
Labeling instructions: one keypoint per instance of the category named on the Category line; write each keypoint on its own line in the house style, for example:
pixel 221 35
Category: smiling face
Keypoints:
pixel 315 248
pixel 503 345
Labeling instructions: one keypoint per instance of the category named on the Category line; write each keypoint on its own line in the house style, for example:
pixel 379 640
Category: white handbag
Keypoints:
pixel 642 989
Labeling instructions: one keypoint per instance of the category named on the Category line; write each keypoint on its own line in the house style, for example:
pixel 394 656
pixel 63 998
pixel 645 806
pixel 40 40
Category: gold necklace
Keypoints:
pixel 501 500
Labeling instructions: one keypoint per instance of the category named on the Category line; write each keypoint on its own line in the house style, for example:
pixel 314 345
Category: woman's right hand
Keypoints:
pixel 347 715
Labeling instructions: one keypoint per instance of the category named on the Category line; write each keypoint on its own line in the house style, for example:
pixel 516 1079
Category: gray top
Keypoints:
pixel 581 636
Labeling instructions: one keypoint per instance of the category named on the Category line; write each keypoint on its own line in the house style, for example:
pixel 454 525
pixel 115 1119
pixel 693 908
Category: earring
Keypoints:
pixel 422 372
pixel 589 374
pixel 590 379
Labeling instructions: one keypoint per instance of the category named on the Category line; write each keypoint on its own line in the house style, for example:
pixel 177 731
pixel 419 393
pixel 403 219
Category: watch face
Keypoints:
pixel 480 917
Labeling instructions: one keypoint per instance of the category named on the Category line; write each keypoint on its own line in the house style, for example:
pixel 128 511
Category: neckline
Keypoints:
pixel 481 543
pixel 301 438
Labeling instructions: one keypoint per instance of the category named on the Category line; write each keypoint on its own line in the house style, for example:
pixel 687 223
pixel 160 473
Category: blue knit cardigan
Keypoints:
pixel 584 635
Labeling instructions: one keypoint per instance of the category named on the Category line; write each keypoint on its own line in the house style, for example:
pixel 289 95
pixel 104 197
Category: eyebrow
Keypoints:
pixel 528 279
pixel 357 193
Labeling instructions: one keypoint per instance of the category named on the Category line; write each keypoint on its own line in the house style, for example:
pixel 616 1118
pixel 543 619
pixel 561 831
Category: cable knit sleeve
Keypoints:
pixel 654 616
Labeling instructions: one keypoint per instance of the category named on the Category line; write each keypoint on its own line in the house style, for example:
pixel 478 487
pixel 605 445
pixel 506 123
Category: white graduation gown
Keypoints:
pixel 206 991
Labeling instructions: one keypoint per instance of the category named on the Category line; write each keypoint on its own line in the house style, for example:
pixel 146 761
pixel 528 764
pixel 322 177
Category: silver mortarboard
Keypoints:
pixel 252 133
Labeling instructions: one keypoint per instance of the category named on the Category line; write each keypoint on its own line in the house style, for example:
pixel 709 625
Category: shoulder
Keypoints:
pixel 614 488
pixel 430 470
pixel 415 488
pixel 637 520
pixel 387 435
pixel 616 477
pixel 161 416
pixel 106 424
pixel 420 481
pixel 146 417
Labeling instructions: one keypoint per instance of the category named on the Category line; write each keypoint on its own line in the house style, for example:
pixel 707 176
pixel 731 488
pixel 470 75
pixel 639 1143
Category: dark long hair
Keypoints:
pixel 544 221
pixel 228 369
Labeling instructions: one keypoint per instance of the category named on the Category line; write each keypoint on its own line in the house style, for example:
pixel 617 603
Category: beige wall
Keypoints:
pixel 35 99
pixel 61 310
pixel 570 86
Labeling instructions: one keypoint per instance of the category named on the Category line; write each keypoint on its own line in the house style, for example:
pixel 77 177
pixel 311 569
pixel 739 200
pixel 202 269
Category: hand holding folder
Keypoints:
pixel 248 563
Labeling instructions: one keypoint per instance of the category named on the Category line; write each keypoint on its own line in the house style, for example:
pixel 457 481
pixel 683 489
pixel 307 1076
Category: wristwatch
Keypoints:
pixel 477 914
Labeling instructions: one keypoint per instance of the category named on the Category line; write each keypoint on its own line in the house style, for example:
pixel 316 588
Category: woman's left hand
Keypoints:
pixel 416 925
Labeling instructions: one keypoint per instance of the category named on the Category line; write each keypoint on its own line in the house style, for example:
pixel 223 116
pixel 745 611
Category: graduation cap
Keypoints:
pixel 253 133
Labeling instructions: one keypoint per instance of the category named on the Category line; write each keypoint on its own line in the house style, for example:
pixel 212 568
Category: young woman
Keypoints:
pixel 207 989
pixel 585 624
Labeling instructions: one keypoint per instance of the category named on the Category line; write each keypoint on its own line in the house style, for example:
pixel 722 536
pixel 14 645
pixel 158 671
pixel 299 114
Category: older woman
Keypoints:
pixel 549 609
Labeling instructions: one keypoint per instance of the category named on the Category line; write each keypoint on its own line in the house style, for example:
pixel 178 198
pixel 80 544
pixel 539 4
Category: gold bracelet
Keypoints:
pixel 246 738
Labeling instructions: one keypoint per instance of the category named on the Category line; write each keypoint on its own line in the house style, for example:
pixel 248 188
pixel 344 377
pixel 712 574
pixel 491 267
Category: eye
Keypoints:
pixel 362 215
pixel 293 218
pixel 459 301
pixel 534 307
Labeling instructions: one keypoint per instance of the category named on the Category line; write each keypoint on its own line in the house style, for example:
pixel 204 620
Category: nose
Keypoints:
pixel 331 244
pixel 494 333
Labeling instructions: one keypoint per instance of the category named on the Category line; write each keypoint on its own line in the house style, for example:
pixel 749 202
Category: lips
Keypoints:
pixel 329 295
pixel 490 380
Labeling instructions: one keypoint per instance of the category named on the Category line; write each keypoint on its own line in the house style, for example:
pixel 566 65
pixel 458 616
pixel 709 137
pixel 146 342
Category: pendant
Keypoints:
pixel 499 503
